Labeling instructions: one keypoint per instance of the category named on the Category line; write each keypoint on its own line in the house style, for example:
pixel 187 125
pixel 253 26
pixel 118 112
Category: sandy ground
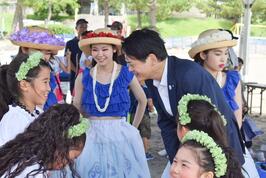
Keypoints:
pixel 257 73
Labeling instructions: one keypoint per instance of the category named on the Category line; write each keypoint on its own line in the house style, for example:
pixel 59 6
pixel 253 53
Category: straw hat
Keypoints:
pixel 211 39
pixel 100 36
pixel 37 38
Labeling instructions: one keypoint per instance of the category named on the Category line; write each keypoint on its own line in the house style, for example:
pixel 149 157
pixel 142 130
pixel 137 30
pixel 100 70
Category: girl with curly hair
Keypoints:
pixel 51 142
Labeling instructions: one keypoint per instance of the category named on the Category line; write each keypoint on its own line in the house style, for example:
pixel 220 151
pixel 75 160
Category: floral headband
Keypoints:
pixel 101 34
pixel 219 158
pixel 184 117
pixel 78 129
pixel 33 61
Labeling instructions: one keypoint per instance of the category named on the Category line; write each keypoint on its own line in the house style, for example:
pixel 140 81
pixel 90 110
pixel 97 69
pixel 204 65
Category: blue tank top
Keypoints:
pixel 51 100
pixel 119 101
pixel 232 80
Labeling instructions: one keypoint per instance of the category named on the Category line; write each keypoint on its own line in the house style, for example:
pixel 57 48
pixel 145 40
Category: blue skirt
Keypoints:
pixel 113 149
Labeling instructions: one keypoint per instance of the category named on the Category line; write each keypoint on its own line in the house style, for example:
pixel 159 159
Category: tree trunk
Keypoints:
pixel 49 15
pixel 139 19
pixel 49 11
pixel 96 4
pixel 152 6
pixel 106 12
pixel 18 17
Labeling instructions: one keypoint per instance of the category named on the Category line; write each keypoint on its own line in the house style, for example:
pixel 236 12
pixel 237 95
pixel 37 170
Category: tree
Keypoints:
pixel 231 10
pixel 152 6
pixel 106 12
pixel 47 9
pixel 139 6
pixel 167 7
pixel 18 17
pixel 259 11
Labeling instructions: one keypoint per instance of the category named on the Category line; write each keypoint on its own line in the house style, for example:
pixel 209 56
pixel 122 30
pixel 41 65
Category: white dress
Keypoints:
pixel 14 122
pixel 28 170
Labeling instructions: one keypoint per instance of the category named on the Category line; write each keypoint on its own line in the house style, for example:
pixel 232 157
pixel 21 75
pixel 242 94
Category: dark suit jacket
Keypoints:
pixel 185 76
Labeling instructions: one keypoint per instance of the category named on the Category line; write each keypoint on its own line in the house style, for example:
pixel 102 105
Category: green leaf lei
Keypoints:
pixel 219 158
pixel 78 129
pixel 33 61
pixel 184 117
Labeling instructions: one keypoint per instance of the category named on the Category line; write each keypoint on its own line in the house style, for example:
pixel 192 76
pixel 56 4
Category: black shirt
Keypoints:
pixel 73 46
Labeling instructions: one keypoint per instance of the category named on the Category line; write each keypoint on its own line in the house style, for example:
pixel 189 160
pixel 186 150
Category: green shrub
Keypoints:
pixel 60 29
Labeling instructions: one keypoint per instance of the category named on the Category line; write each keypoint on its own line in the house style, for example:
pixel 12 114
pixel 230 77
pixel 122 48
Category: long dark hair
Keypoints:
pixel 206 162
pixel 9 85
pixel 45 141
pixel 204 117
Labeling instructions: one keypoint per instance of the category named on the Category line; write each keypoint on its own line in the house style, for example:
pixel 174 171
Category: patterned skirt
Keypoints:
pixel 113 149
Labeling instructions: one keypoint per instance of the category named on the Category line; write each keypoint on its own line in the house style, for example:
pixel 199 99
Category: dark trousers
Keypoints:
pixel 72 81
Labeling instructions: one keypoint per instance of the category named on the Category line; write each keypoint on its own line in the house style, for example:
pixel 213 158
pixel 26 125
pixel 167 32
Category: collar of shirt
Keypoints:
pixel 163 81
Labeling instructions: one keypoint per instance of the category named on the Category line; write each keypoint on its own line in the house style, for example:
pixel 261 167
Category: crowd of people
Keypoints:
pixel 116 82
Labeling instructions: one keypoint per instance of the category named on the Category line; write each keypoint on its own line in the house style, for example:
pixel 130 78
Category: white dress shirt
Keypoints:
pixel 162 87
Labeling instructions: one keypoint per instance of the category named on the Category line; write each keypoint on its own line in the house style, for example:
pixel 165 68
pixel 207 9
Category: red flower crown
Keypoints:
pixel 101 34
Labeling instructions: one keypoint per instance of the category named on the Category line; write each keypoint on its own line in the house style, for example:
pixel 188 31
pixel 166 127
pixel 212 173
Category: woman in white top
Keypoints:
pixel 24 86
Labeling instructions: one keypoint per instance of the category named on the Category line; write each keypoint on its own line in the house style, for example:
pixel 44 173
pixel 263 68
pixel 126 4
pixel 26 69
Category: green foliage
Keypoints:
pixel 132 20
pixel 231 10
pixel 176 27
pixel 60 29
pixel 165 8
pixel 59 18
pixel 259 11
pixel 114 5
pixel 258 31
pixel 58 7
pixel 8 17
pixel 142 5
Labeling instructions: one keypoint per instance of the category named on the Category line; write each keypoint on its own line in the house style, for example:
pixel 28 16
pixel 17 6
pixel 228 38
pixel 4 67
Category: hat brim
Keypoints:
pixel 193 51
pixel 85 44
pixel 38 46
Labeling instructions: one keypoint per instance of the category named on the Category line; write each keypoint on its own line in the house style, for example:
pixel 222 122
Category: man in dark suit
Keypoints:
pixel 169 78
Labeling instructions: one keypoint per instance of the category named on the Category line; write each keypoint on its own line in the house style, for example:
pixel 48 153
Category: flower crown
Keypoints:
pixel 101 34
pixel 25 35
pixel 219 158
pixel 32 61
pixel 184 117
pixel 78 129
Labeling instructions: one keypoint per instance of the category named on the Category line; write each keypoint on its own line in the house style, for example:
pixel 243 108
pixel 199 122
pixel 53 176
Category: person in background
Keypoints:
pixel 35 38
pixel 72 49
pixel 145 124
pixel 117 27
pixel 50 142
pixel 85 60
pixel 212 55
pixel 210 50
pixel 244 102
